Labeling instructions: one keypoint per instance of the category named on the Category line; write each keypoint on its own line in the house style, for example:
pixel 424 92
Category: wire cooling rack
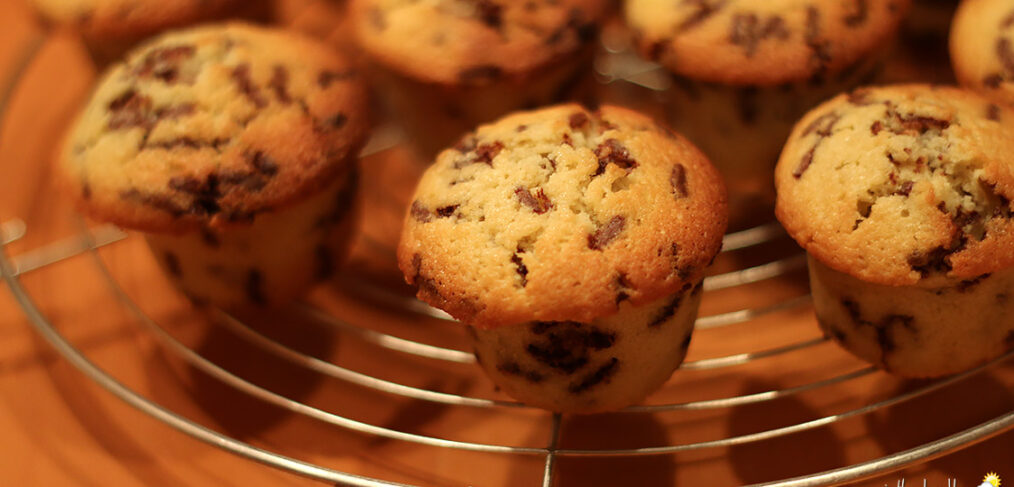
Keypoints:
pixel 787 265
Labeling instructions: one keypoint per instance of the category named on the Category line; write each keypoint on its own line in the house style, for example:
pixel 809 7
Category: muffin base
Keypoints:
pixel 269 262
pixel 605 365
pixel 943 327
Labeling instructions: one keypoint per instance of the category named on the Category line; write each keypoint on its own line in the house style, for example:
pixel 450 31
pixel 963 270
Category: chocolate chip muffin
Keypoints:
pixel 982 47
pixel 745 71
pixel 233 147
pixel 573 243
pixel 449 65
pixel 901 196
pixel 110 27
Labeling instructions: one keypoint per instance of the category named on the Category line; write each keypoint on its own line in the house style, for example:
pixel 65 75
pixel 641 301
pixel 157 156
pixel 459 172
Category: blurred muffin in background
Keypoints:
pixel 110 27
pixel 446 66
pixel 982 48
pixel 745 71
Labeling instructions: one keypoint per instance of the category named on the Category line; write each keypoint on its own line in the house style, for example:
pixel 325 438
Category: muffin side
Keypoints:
pixel 213 125
pixel 982 48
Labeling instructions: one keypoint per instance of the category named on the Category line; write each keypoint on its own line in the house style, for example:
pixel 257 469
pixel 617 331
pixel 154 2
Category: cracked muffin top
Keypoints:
pixel 762 43
pixel 213 125
pixel 982 47
pixel 901 185
pixel 561 214
pixel 473 42
pixel 130 19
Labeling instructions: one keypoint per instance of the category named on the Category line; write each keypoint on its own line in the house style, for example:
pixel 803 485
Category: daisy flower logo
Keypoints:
pixel 990 480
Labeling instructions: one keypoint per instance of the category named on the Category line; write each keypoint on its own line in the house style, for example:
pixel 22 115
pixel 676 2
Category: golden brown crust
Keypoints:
pixel 902 185
pixel 982 47
pixel 561 214
pixel 762 43
pixel 213 125
pixel 473 42
pixel 108 20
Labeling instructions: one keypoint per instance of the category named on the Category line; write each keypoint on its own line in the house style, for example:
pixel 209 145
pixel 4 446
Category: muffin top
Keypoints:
pixel 748 42
pixel 561 214
pixel 213 125
pixel 982 47
pixel 129 19
pixel 902 185
pixel 473 42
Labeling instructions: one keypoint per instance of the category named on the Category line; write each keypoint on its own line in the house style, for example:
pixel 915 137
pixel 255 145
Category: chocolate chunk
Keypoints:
pixel 157 201
pixel 623 285
pixel 325 264
pixel 876 127
pixel 993 80
pixel 1005 51
pixel 606 233
pixel 823 125
pixel 804 163
pixel 657 50
pixel 821 49
pixel 205 192
pixel 600 375
pixel 905 189
pixel 747 30
pixel 485 153
pixel 922 124
pixel 968 284
pixel 613 152
pixel 262 163
pixel 993 112
pixel 667 311
pixel 478 75
pixel 446 211
pixel 703 9
pixel 209 238
pixel 489 13
pixel 858 14
pixel 163 63
pixel 538 202
pixel 279 84
pixel 326 78
pixel 521 269
pixel 566 345
pixel 567 140
pixel 512 368
pixel 859 97
pixel 241 75
pixel 578 120
pixel 420 212
pixel 934 261
pixel 746 104
pixel 336 121
pixel 172 264
pixel 583 31
pixel 678 180
pixel 130 109
pixel 173 112
pixel 255 287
